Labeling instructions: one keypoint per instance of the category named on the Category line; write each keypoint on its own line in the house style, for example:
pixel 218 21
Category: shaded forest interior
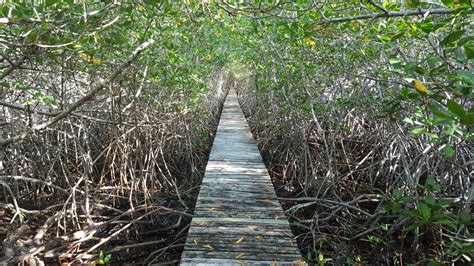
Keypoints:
pixel 362 111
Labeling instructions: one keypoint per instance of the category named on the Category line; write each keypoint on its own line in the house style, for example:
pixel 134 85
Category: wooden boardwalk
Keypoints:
pixel 238 219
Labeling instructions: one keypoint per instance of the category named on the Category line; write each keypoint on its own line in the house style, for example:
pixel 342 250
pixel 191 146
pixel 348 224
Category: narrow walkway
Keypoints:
pixel 238 219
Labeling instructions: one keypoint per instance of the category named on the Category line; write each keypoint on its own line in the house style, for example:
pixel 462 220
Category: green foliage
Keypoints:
pixel 103 258
pixel 435 213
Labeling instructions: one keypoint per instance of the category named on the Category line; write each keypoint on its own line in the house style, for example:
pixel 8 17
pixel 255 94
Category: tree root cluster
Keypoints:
pixel 335 172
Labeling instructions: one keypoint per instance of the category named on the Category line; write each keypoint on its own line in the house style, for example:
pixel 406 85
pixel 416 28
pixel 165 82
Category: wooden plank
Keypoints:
pixel 238 218
pixel 236 262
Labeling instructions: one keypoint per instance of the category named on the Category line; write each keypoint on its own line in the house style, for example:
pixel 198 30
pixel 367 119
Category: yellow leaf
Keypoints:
pixel 419 86
pixel 299 262
pixel 258 238
pixel 309 41
pixel 274 263
pixel 96 61
pixel 96 35
pixel 201 224
pixel 239 241
pixel 85 57
pixel 208 246
pixel 239 256
pixel 195 242
pixel 89 58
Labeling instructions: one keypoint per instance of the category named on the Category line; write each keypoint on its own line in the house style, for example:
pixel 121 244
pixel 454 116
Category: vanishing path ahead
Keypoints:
pixel 238 218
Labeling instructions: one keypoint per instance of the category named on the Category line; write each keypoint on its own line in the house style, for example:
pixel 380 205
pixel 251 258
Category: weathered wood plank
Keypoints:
pixel 238 262
pixel 238 218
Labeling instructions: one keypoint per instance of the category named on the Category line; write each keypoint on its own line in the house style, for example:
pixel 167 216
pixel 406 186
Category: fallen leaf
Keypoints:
pixel 239 241
pixel 299 261
pixel 201 224
pixel 258 238
pixel 267 201
pixel 248 216
pixel 239 256
pixel 195 242
pixel 208 246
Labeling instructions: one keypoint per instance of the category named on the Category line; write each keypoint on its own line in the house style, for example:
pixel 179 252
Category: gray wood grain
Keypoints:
pixel 238 219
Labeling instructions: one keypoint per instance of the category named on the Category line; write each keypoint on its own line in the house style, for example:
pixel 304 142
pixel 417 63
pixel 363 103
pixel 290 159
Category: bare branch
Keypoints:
pixel 378 6
pixel 421 12
pixel 34 180
pixel 87 97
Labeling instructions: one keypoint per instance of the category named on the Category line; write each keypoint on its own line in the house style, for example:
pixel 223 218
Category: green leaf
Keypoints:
pixel 418 131
pixel 49 3
pixel 432 135
pixel 397 194
pixel 444 202
pixel 452 37
pixel 430 201
pixel 449 3
pixel 465 217
pixel 448 150
pixel 448 222
pixel 408 121
pixel 466 76
pixel 412 227
pixel 468 118
pixel 151 2
pixel 469 49
pixel 431 184
pixel 384 38
pixel 465 4
pixel 168 7
pixel 438 110
pixel 427 27
pixel 424 211
pixel 455 108
pixel 395 62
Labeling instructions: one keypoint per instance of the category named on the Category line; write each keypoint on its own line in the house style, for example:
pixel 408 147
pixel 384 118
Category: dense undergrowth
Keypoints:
pixel 362 110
